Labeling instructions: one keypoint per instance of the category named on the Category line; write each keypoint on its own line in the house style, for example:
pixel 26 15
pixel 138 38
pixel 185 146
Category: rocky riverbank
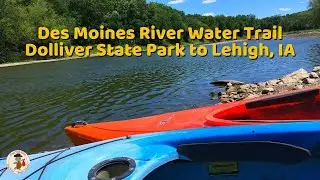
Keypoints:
pixel 297 80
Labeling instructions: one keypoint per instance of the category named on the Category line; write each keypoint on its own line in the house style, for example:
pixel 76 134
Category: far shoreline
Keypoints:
pixel 11 64
pixel 299 34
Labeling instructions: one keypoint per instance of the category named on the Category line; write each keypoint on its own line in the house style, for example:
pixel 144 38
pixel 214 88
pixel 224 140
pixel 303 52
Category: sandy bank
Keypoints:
pixel 41 61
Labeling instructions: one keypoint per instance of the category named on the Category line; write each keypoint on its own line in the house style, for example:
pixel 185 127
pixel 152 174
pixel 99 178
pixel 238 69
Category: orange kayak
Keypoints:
pixel 300 105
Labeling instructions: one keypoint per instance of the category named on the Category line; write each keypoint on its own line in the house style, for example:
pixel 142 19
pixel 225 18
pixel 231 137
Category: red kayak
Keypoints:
pixel 300 105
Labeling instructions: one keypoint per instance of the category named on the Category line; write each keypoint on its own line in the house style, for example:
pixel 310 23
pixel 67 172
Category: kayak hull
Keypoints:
pixel 83 134
pixel 89 135
pixel 287 151
pixel 300 105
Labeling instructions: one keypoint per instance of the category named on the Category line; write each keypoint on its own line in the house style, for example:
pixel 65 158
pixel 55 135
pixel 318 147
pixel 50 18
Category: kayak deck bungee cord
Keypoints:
pixel 264 151
pixel 55 158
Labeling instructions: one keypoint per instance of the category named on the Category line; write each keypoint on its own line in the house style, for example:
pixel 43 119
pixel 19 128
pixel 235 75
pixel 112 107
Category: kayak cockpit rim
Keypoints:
pixel 112 169
pixel 270 108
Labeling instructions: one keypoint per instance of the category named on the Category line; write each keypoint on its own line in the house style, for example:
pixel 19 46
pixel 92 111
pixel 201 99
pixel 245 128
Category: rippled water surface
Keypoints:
pixel 37 101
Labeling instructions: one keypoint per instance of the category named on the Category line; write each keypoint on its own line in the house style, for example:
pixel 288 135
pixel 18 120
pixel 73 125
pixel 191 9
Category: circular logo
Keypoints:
pixel 18 161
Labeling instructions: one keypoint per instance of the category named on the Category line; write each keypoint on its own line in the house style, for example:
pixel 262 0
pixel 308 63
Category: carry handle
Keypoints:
pixel 79 123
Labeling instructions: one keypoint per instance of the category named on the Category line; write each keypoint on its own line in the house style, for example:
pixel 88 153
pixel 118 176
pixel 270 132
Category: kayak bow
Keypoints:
pixel 295 106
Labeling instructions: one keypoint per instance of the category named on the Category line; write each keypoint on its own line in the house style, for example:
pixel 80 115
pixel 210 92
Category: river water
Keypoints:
pixel 37 101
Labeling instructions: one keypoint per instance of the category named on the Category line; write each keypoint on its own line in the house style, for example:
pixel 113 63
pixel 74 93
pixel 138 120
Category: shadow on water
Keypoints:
pixel 38 101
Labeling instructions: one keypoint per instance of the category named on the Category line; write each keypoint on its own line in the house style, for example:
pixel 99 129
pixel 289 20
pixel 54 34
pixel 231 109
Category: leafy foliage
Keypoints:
pixel 19 20
pixel 315 10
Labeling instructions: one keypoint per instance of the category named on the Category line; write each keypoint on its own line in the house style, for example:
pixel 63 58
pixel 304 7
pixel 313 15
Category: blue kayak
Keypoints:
pixel 287 151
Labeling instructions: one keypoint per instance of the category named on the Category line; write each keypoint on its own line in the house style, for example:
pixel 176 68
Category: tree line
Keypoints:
pixel 20 19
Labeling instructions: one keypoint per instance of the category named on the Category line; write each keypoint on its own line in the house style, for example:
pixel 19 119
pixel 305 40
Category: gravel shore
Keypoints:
pixel 236 91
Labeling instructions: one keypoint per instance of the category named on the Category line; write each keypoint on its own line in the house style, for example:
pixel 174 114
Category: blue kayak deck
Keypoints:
pixel 161 156
pixel 241 170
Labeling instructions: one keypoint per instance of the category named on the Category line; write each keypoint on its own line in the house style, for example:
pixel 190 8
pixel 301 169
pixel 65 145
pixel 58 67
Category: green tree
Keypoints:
pixel 315 9
pixel 19 22
pixel 20 19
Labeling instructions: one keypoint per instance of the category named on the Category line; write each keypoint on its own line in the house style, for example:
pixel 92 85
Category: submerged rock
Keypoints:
pixel 225 82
